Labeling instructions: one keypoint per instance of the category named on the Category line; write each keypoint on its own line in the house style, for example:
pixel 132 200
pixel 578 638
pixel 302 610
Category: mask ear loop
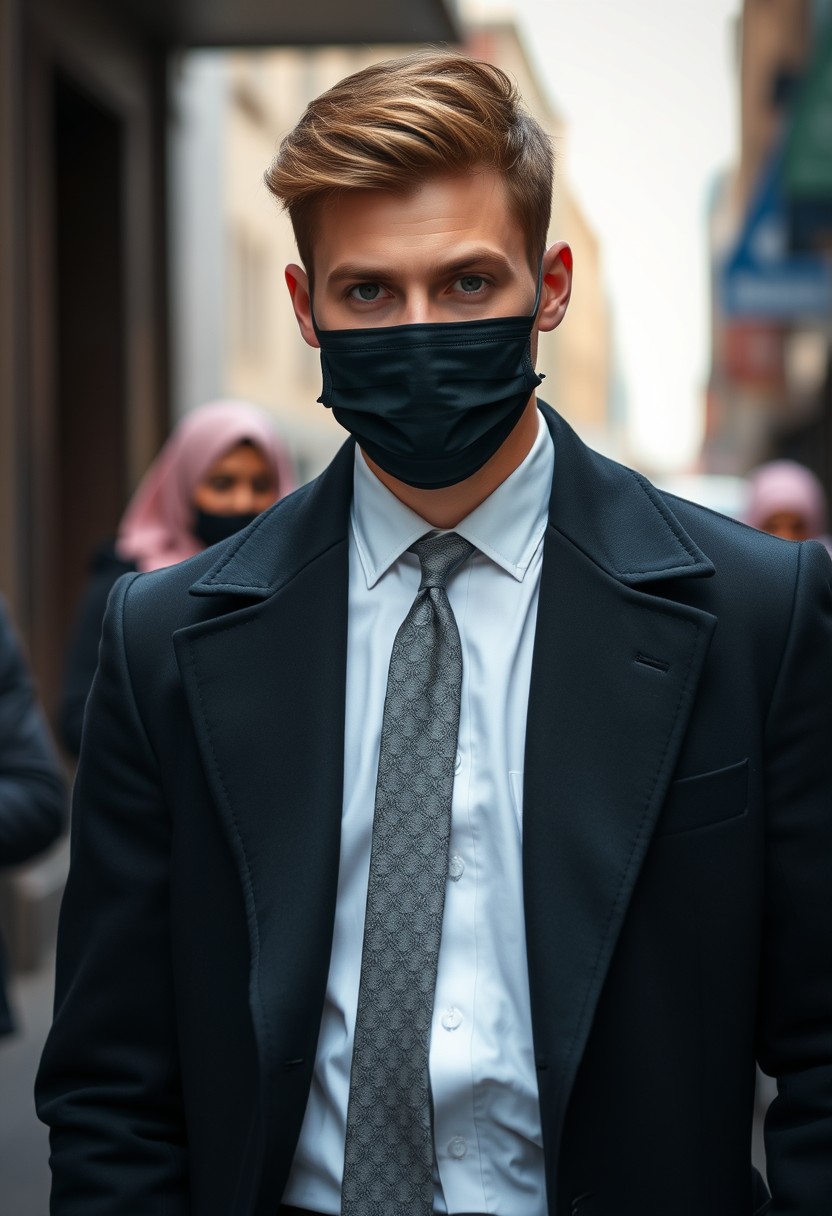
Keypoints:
pixel 312 315
pixel 536 304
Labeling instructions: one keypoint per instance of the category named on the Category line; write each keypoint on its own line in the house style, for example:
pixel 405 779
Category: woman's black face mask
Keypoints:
pixel 430 403
pixel 211 528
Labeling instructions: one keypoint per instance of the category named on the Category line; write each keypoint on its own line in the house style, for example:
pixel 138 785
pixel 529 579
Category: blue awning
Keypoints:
pixel 763 277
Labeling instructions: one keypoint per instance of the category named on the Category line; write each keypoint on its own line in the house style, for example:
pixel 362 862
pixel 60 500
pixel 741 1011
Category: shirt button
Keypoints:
pixel 457 1148
pixel 451 1018
pixel 456 868
pixel 458 762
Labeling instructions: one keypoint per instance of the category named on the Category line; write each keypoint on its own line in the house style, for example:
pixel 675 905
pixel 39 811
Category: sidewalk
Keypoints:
pixel 24 1147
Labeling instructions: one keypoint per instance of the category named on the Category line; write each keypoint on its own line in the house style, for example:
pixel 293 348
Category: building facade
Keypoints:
pixel 770 392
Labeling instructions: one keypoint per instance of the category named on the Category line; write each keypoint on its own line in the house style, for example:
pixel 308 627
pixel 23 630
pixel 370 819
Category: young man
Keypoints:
pixel 457 837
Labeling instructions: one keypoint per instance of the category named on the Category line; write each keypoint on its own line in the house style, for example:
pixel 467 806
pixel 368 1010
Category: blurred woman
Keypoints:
pixel 787 499
pixel 221 466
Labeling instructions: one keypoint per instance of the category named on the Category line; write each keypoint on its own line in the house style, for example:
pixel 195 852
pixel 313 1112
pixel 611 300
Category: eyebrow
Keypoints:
pixel 485 259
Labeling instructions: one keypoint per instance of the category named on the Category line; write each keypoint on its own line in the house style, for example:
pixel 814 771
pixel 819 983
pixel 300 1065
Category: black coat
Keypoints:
pixel 32 790
pixel 677 862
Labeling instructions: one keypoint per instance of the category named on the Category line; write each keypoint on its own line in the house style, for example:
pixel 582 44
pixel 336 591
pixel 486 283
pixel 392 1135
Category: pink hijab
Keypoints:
pixel 155 529
pixel 785 485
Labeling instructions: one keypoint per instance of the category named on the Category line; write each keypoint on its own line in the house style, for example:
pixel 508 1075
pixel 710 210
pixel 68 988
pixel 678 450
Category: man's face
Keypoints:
pixel 450 250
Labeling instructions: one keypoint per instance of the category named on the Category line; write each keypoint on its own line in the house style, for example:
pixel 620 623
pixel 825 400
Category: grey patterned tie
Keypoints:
pixel 388 1165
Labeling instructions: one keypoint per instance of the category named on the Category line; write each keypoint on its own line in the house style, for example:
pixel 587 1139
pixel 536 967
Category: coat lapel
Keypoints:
pixel 265 683
pixel 614 676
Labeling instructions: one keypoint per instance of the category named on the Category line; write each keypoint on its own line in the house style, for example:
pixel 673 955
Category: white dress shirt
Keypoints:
pixel 487 1134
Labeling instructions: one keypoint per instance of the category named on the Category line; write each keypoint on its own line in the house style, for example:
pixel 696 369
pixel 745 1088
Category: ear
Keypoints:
pixel 557 286
pixel 298 283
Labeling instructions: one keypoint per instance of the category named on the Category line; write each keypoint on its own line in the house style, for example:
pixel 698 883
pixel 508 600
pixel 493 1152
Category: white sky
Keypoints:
pixel 650 94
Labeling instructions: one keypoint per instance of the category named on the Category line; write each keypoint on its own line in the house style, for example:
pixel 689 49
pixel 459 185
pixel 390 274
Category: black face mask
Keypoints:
pixel 430 403
pixel 212 528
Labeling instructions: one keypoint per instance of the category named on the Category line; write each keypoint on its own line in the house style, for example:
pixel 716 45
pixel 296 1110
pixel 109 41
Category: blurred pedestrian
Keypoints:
pixel 32 788
pixel 787 499
pixel 222 465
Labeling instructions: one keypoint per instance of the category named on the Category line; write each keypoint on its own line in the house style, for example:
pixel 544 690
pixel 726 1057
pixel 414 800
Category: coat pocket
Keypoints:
pixel 705 800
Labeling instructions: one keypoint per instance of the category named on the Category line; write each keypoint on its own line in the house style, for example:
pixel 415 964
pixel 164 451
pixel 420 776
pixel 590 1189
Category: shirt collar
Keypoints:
pixel 507 527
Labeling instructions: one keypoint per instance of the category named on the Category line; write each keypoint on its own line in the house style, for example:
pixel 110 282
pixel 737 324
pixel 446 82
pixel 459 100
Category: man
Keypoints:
pixel 565 740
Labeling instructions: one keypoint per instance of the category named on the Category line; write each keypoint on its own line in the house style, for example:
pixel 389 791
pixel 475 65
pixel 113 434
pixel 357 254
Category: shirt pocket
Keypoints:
pixel 705 800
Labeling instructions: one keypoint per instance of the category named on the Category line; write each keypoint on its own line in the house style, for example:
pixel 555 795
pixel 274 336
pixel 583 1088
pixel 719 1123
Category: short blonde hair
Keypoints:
pixel 395 123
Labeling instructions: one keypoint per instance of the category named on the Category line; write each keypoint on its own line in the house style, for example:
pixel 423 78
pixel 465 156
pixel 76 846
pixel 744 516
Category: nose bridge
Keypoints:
pixel 243 495
pixel 417 304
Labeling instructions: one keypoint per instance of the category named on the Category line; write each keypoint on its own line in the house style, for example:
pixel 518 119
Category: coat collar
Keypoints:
pixel 611 513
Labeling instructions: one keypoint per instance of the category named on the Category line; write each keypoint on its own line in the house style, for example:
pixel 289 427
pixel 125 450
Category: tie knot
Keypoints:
pixel 439 556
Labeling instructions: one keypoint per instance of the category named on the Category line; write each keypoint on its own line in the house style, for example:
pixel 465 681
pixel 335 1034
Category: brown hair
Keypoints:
pixel 395 123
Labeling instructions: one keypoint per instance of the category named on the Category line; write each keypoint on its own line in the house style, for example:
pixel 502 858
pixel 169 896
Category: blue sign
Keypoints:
pixel 762 279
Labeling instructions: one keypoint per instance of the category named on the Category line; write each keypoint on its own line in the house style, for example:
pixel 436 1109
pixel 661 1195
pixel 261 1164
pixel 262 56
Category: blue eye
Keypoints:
pixel 366 291
pixel 471 283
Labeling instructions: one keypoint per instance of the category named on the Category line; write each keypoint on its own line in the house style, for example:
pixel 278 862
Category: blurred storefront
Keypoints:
pixel 235 333
pixel 770 392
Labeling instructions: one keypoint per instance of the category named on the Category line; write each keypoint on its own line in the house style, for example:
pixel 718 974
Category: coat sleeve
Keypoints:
pixel 32 791
pixel 795 1020
pixel 109 1084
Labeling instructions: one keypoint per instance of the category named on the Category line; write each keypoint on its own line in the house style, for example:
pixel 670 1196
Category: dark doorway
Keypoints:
pixel 90 329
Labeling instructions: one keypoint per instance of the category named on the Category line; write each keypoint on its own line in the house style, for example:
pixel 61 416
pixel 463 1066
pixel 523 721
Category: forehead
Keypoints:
pixel 436 218
pixel 242 457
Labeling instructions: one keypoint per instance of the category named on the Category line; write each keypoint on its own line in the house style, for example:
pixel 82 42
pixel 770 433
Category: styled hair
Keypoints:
pixel 393 124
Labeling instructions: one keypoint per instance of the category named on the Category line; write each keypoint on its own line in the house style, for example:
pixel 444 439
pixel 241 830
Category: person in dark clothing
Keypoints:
pixel 32 788
pixel 221 466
